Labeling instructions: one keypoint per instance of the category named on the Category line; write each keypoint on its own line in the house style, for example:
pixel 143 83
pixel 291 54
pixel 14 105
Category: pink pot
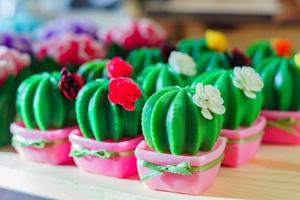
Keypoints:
pixel 108 158
pixel 51 147
pixel 282 127
pixel 242 143
pixel 205 164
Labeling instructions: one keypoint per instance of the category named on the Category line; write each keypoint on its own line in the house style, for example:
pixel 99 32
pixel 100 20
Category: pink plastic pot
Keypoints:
pixel 51 147
pixel 282 127
pixel 242 143
pixel 207 164
pixel 108 158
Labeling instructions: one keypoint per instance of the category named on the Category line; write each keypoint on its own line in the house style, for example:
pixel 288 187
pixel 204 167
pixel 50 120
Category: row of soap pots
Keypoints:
pixel 159 171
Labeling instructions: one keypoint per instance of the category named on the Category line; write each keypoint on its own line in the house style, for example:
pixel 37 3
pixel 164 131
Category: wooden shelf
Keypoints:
pixel 273 174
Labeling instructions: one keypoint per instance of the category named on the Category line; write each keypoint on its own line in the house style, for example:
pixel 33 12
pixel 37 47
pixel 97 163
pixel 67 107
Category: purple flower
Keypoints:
pixel 62 25
pixel 16 41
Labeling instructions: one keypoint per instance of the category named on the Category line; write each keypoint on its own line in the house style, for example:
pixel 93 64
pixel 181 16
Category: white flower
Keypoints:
pixel 246 79
pixel 209 99
pixel 182 63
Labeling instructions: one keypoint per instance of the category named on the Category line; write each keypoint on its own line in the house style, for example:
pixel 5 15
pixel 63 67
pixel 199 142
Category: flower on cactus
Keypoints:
pixel 117 67
pixel 123 91
pixel 209 99
pixel 246 79
pixel 281 47
pixel 216 40
pixel 70 84
pixel 238 58
pixel 182 63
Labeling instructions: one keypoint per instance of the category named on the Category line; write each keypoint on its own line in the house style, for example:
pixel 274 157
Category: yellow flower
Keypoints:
pixel 297 59
pixel 216 40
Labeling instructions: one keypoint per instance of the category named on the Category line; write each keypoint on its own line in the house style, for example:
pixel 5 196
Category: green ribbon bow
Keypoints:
pixel 251 138
pixel 285 124
pixel 183 168
pixel 79 151
pixel 18 141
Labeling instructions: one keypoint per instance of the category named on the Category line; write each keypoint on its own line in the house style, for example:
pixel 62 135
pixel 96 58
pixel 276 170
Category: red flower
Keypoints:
pixel 238 58
pixel 135 34
pixel 69 49
pixel 123 91
pixel 281 47
pixel 70 84
pixel 118 67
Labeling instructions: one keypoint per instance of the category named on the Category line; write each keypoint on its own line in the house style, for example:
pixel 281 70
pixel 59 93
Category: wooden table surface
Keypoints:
pixel 274 173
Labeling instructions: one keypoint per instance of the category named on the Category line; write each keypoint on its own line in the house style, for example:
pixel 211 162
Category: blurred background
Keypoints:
pixel 243 21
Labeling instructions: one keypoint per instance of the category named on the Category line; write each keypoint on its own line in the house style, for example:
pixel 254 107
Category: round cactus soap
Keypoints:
pixel 110 109
pixel 177 119
pixel 41 104
pixel 142 58
pixel 158 76
pixel 241 91
pixel 179 70
pixel 92 70
pixel 281 77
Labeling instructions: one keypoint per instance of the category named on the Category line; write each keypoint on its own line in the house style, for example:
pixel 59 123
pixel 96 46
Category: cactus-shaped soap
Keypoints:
pixel 241 91
pixel 92 70
pixel 281 76
pixel 178 120
pixel 158 76
pixel 110 109
pixel 212 60
pixel 7 106
pixel 142 58
pixel 45 101
pixel 180 68
pixel 263 49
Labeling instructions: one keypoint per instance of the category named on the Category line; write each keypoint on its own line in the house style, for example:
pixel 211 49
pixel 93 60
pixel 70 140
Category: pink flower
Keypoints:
pixel 117 67
pixel 135 34
pixel 11 62
pixel 69 48
pixel 123 91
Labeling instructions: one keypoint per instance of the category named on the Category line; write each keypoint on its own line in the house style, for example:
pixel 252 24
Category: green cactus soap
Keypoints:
pixel 158 76
pixel 242 103
pixel 142 58
pixel 281 77
pixel 100 117
pixel 180 69
pixel 173 122
pixel 40 103
pixel 92 70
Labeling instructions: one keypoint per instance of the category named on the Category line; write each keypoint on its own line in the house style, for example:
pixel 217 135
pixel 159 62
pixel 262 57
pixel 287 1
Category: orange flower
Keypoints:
pixel 281 47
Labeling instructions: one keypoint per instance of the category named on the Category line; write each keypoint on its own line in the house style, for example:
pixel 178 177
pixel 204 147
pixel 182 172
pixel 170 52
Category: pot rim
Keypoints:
pixel 276 114
pixel 18 129
pixel 244 132
pixel 124 145
pixel 203 157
